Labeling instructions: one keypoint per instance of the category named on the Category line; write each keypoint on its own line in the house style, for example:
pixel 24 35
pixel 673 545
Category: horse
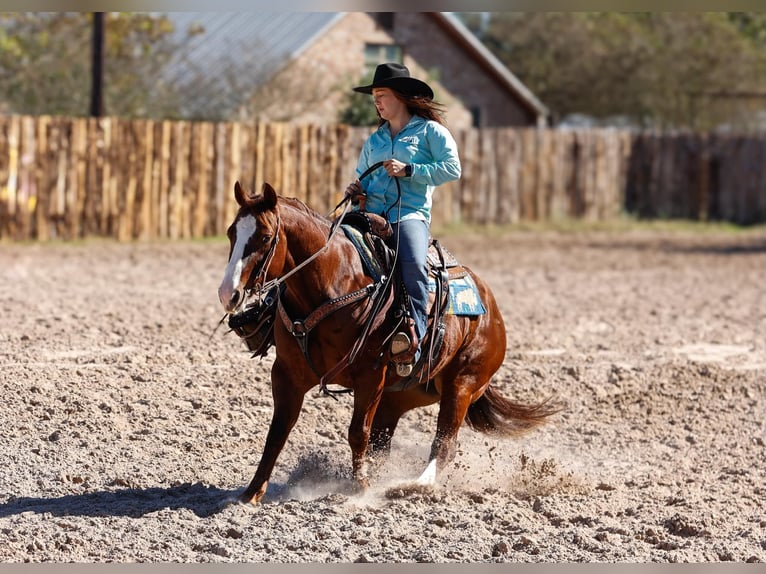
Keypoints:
pixel 324 306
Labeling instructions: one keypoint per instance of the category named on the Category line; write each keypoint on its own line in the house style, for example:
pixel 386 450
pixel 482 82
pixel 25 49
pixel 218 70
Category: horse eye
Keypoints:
pixel 266 239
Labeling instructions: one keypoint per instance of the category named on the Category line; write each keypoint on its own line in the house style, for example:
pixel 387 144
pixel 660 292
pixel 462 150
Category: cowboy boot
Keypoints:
pixel 404 345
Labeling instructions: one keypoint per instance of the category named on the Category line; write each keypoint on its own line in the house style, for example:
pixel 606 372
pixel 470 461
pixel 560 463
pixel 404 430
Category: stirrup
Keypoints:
pixel 404 369
pixel 400 343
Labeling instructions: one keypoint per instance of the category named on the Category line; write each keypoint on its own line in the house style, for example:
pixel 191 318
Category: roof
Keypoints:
pixel 230 40
pixel 490 62
pixel 239 51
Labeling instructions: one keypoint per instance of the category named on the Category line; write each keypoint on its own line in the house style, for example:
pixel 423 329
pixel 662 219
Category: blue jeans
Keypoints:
pixel 413 249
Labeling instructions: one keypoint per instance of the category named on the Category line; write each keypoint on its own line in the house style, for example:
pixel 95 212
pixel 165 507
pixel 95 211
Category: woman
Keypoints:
pixel 419 153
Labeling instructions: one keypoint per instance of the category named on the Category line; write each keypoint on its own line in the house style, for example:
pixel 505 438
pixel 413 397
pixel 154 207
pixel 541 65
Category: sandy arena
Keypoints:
pixel 130 427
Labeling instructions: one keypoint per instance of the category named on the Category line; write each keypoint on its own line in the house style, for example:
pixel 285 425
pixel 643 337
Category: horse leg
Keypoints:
pixel 287 406
pixel 466 378
pixel 365 404
pixel 383 427
pixel 455 400
pixel 391 408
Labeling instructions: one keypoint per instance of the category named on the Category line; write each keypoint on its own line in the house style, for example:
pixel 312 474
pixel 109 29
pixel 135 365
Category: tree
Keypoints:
pixel 752 25
pixel 358 109
pixel 663 69
pixel 45 64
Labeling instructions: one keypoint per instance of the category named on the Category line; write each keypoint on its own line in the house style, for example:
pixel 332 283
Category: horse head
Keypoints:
pixel 253 238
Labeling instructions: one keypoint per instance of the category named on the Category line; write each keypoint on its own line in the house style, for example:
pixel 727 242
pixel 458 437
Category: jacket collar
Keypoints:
pixel 415 120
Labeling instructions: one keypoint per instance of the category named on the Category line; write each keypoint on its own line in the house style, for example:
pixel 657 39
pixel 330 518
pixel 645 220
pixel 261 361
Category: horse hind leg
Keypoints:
pixel 452 410
pixel 462 383
pixel 489 413
pixel 390 410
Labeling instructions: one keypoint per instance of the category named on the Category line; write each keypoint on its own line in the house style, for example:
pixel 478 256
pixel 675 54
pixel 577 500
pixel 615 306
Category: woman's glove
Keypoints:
pixel 355 192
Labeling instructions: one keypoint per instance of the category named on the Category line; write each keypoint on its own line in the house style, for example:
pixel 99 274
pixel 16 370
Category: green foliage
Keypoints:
pixel 358 111
pixel 45 63
pixel 752 25
pixel 666 69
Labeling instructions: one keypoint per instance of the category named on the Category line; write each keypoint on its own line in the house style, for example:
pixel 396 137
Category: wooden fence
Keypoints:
pixel 74 177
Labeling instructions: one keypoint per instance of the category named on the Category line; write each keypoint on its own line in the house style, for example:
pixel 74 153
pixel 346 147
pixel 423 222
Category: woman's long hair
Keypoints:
pixel 419 106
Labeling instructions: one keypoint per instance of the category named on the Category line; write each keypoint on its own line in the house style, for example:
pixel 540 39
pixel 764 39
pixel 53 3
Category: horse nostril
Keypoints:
pixel 234 299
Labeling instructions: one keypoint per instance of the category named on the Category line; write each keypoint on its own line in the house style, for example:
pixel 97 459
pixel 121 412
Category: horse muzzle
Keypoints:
pixel 231 298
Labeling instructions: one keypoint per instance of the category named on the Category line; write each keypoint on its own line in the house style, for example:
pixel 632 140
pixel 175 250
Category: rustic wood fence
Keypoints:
pixel 76 177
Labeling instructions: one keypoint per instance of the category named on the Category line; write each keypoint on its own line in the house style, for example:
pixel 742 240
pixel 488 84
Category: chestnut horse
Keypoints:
pixel 280 240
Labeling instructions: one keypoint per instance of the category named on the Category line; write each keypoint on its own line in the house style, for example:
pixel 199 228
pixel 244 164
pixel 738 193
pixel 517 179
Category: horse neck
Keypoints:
pixel 305 234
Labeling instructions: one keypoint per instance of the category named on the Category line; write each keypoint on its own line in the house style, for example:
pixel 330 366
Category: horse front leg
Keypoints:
pixel 288 401
pixel 365 404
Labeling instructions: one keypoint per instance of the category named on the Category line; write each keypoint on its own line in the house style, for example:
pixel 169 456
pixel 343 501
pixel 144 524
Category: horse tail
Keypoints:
pixel 494 414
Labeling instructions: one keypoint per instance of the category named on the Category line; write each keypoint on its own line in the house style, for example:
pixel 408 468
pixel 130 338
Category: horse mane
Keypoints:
pixel 296 203
pixel 259 203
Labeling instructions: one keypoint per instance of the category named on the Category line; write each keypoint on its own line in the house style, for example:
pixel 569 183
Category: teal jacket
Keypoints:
pixel 428 147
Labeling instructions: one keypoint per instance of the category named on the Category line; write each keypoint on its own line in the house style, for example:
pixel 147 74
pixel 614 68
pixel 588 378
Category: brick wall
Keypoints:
pixel 313 88
pixel 460 78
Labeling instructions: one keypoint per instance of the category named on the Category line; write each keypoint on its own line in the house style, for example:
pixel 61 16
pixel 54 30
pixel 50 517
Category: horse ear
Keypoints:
pixel 270 196
pixel 239 194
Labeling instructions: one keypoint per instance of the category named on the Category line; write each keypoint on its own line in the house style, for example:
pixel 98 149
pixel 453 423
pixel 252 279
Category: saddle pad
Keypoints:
pixel 369 260
pixel 464 298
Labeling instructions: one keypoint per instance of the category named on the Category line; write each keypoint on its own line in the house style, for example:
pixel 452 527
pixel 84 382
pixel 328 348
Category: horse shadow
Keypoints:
pixel 315 476
pixel 201 499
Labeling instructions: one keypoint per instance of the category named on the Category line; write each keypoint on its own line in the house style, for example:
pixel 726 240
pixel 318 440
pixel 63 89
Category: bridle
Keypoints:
pixel 259 285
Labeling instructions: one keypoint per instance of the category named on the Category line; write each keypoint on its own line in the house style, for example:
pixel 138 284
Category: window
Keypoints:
pixel 375 54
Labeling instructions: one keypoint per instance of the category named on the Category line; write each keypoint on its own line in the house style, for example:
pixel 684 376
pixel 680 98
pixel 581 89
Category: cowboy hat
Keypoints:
pixel 397 77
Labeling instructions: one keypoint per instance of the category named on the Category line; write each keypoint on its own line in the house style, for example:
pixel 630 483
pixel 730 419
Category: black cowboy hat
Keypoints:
pixel 397 77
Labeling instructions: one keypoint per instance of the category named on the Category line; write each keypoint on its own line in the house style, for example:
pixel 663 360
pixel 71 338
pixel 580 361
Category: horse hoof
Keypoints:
pixel 360 486
pixel 251 502
pixel 253 497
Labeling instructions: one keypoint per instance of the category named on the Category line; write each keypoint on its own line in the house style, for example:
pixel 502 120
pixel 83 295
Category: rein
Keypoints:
pixel 301 329
pixel 279 280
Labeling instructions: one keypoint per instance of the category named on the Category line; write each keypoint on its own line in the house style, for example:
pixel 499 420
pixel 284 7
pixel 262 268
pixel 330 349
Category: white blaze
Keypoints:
pixel 232 277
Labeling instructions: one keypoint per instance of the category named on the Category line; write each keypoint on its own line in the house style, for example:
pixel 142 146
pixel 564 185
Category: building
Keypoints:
pixel 300 66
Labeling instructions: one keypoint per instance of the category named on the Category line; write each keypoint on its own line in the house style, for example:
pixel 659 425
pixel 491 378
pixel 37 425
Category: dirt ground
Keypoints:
pixel 129 425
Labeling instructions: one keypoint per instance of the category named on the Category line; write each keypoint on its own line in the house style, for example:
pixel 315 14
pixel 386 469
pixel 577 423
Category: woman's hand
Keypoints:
pixel 394 167
pixel 354 191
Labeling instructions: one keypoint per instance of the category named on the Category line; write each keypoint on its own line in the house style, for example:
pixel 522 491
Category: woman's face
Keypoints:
pixel 387 104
